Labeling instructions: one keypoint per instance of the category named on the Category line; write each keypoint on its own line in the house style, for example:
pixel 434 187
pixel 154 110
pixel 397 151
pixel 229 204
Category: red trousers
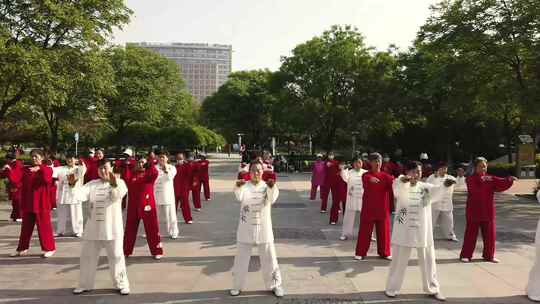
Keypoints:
pixel 206 187
pixel 45 230
pixel 196 196
pixel 338 202
pixel 471 234
pixel 325 192
pixel 313 193
pixel 383 237
pixel 151 227
pixel 183 201
pixel 16 209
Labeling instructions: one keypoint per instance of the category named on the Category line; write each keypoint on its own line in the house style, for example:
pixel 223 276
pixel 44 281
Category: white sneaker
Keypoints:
pixel 454 239
pixel 278 291
pixel 332 223
pixel 390 294
pixel 234 292
pixel 19 220
pixel 373 239
pixel 124 291
pixel 439 296
pixel 465 260
pixel 189 222
pixel 158 257
pixel 343 238
pixel 388 258
pixel 494 260
pixel 80 290
pixel 48 254
pixel 323 211
pixel 78 235
pixel 198 209
pixel 359 257
pixel 174 237
pixel 19 253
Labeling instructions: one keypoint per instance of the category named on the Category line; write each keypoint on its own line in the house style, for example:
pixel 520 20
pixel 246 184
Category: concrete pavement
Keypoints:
pixel 316 266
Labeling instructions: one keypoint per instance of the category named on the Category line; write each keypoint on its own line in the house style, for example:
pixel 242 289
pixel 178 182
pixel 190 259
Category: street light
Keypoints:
pixel 240 140
pixel 310 145
pixel 354 133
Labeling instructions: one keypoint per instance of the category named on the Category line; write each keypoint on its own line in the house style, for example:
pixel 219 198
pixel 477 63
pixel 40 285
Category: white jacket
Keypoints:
pixel 412 222
pixel 164 186
pixel 64 193
pixel 255 222
pixel 441 197
pixel 105 222
pixel 355 188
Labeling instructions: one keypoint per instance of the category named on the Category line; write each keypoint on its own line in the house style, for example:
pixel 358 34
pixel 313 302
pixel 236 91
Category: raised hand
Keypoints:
pixel 71 179
pixel 270 182
pixel 240 183
pixel 405 179
pixel 112 179
pixel 449 182
pixel 35 169
pixel 374 180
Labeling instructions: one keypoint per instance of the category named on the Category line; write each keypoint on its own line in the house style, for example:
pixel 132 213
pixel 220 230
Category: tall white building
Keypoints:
pixel 205 67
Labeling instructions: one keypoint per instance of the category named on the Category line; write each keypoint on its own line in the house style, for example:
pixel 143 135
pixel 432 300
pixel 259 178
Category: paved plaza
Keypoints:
pixel 316 266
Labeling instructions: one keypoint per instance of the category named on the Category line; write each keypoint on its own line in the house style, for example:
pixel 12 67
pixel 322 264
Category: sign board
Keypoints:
pixel 526 154
pixel 77 136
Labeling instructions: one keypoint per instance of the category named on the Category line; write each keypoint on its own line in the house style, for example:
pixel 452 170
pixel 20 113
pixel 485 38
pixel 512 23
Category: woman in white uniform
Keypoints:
pixel 68 204
pixel 355 191
pixel 104 229
pixel 413 229
pixel 442 202
pixel 533 287
pixel 255 229
pixel 164 194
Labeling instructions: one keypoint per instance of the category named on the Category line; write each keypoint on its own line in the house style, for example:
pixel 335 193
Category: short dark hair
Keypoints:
pixel 255 163
pixel 38 152
pixel 411 165
pixel 356 158
pixel 374 156
pixel 102 162
pixel 70 155
pixel 163 152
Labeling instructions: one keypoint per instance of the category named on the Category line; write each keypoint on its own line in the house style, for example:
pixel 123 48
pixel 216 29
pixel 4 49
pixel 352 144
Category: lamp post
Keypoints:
pixel 354 133
pixel 240 141
pixel 310 145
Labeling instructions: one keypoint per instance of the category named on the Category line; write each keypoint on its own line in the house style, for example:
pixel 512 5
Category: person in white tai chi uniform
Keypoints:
pixel 164 193
pixel 355 191
pixel 255 229
pixel 68 204
pixel 413 229
pixel 104 228
pixel 442 205
pixel 533 287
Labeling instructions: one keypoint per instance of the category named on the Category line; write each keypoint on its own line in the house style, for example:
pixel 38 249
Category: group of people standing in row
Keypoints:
pixel 148 188
pixel 415 203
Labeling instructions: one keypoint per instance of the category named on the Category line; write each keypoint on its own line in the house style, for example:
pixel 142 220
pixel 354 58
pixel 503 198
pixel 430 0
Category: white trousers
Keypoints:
pixel 89 262
pixel 167 217
pixel 400 260
pixel 445 219
pixel 533 286
pixel 75 212
pixel 269 265
pixel 348 222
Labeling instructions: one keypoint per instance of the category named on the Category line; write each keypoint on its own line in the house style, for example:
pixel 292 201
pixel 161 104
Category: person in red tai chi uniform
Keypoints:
pixel 330 181
pixel 142 205
pixel 377 203
pixel 182 182
pixel 204 165
pixel 480 210
pixel 13 172
pixel 36 206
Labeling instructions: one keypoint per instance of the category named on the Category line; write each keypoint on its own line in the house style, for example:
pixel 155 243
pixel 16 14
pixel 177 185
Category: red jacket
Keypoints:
pixel 332 173
pixel 91 169
pixel 124 166
pixel 14 178
pixel 480 204
pixel 378 199
pixel 184 178
pixel 203 169
pixel 35 192
pixel 141 188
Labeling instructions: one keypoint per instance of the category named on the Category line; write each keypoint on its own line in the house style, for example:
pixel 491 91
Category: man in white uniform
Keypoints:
pixel 103 229
pixel 164 193
pixel 255 229
pixel 413 229
pixel 533 286
pixel 68 205
pixel 355 191
pixel 442 205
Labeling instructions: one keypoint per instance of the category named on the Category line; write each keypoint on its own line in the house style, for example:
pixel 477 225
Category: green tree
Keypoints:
pixel 30 28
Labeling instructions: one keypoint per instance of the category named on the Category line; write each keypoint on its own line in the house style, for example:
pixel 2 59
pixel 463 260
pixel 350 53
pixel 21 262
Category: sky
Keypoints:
pixel 261 31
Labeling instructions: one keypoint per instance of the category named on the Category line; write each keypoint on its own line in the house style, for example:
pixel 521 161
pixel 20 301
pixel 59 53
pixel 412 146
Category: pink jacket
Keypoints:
pixel 318 173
